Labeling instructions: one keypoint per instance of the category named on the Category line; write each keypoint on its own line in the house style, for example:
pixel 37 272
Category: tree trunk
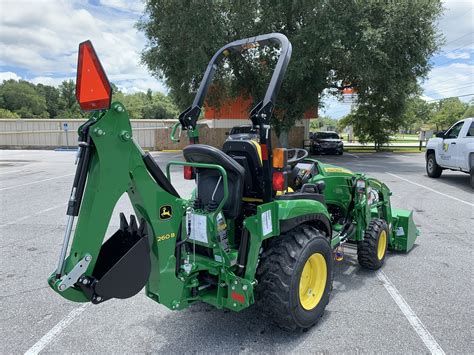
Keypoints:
pixel 283 139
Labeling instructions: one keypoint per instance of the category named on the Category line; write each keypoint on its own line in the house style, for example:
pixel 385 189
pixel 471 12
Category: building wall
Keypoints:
pixel 150 134
pixel 49 133
pixel 235 112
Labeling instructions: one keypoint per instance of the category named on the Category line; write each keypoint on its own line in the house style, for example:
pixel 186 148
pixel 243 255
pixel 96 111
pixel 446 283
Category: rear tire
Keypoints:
pixel 432 168
pixel 472 177
pixel 372 250
pixel 295 278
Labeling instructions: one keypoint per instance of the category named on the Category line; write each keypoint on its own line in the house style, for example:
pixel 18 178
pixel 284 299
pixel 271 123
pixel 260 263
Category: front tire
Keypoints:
pixel 472 177
pixel 295 278
pixel 372 250
pixel 432 168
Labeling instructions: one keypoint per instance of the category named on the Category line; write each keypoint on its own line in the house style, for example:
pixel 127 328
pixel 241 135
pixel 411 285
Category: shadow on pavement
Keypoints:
pixel 202 328
pixel 455 179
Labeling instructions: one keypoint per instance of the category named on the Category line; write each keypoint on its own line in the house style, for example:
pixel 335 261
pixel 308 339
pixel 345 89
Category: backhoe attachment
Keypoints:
pixel 111 164
pixel 123 265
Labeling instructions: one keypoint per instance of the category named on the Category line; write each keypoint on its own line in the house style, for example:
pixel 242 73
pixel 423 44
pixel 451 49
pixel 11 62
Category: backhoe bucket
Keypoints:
pixel 123 265
pixel 404 230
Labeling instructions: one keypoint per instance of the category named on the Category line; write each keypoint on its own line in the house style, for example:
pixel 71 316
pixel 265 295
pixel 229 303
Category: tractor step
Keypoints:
pixel 123 265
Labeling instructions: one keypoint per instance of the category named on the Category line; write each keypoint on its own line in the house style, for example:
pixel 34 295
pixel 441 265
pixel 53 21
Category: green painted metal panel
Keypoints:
pixel 404 231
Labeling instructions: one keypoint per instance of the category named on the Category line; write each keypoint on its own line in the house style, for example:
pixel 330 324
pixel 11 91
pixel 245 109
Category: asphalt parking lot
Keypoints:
pixel 365 314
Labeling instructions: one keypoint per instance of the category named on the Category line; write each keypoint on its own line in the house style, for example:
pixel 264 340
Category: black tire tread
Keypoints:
pixel 367 248
pixel 276 270
pixel 471 174
pixel 437 170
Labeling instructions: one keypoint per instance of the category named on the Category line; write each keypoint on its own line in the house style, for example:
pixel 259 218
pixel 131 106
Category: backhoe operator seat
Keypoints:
pixel 246 153
pixel 207 179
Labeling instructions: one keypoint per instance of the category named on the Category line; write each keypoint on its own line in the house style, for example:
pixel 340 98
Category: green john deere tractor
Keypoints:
pixel 261 225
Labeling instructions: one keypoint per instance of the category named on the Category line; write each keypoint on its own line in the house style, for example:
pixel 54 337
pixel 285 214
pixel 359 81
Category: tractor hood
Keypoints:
pixel 331 170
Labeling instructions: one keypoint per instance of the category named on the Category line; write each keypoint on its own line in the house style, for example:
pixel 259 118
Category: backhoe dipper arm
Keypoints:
pixel 110 164
pixel 96 270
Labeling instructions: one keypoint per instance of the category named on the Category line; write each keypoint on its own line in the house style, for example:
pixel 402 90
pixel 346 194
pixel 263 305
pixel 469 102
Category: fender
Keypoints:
pixel 295 212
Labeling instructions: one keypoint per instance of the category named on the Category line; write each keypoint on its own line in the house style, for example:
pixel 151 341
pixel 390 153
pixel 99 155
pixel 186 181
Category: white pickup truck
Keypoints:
pixel 453 150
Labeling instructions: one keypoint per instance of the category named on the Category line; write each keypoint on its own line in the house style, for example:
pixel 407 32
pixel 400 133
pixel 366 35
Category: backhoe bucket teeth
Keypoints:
pixel 123 223
pixel 123 265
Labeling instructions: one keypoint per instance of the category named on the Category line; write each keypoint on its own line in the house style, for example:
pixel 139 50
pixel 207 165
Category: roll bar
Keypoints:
pixel 261 114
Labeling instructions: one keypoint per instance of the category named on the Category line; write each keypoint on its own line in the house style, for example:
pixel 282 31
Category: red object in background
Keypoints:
pixel 279 181
pixel 239 108
pixel 93 90
pixel 348 91
pixel 188 172
pixel 233 108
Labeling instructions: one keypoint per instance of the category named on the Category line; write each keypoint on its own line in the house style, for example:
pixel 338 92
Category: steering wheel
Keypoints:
pixel 295 155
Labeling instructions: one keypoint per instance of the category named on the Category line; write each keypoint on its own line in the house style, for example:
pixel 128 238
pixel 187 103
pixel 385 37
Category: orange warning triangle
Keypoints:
pixel 93 90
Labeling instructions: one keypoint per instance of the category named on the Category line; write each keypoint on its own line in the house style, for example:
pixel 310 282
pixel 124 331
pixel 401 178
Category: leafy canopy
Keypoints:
pixel 382 48
pixel 22 99
pixel 448 112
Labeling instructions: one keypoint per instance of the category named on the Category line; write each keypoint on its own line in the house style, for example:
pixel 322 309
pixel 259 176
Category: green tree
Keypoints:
pixel 51 95
pixel 382 48
pixel 147 105
pixel 22 98
pixel 159 107
pixel 67 91
pixel 417 113
pixel 4 113
pixel 470 110
pixel 69 107
pixel 448 112
pixel 324 121
pixel 389 50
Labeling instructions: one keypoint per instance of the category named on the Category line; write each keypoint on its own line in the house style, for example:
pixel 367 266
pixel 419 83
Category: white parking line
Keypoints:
pixel 56 330
pixel 353 155
pixel 432 190
pixel 415 322
pixel 34 182
pixel 9 172
pixel 34 214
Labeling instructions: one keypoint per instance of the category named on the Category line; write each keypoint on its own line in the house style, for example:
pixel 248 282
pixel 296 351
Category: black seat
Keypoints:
pixel 246 154
pixel 207 179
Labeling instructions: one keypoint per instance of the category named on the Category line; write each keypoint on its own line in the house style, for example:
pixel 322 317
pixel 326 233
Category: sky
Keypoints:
pixel 39 41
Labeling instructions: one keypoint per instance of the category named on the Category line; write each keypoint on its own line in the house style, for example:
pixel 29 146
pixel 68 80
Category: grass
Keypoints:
pixel 398 138
pixel 387 149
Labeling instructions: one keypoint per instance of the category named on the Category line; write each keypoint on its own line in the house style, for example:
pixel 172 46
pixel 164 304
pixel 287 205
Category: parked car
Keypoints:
pixel 244 132
pixel 453 150
pixel 326 142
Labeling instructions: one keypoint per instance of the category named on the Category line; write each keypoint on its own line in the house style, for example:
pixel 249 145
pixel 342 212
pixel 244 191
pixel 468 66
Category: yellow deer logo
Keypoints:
pixel 165 212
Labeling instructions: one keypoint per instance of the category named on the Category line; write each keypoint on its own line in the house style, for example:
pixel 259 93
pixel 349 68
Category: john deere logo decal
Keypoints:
pixel 445 147
pixel 165 212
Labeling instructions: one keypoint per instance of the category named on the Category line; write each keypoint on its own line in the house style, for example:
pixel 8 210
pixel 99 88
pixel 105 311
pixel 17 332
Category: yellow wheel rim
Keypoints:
pixel 313 281
pixel 381 247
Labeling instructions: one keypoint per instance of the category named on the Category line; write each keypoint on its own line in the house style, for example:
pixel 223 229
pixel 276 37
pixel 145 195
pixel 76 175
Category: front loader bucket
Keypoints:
pixel 123 265
pixel 404 230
